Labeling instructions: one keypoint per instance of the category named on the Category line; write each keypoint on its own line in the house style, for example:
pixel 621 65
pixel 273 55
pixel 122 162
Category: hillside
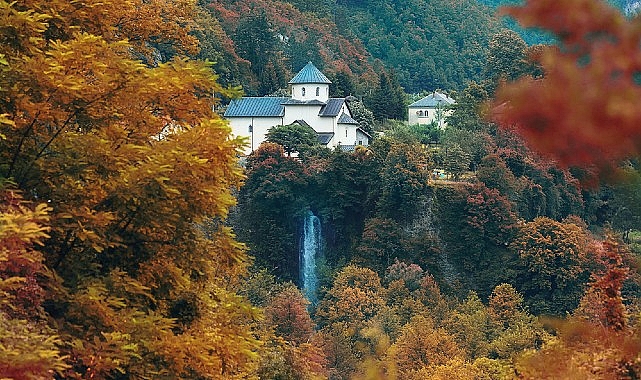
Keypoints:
pixel 135 243
pixel 272 40
pixel 429 45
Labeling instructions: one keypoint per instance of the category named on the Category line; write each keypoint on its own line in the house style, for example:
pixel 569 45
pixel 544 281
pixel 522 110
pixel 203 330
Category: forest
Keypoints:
pixel 137 243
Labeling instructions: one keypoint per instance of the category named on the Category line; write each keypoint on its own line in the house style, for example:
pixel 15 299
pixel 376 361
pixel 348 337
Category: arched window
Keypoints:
pixel 303 91
pixel 317 91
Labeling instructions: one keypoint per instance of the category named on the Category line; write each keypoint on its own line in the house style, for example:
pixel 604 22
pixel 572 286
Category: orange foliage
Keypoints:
pixel 584 351
pixel 422 346
pixel 137 173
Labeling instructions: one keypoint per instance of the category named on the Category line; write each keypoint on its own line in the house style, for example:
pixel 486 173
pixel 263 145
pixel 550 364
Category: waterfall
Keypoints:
pixel 310 248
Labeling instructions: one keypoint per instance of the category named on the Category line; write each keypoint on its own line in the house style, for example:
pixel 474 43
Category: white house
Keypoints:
pixel 309 104
pixel 432 108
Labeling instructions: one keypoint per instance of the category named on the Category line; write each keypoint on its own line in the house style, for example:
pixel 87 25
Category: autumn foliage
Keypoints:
pixel 583 111
pixel 115 175
pixel 116 180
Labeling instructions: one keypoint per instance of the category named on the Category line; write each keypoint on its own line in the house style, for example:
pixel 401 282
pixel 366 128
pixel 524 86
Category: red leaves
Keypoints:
pixel 490 212
pixel 603 302
pixel 584 111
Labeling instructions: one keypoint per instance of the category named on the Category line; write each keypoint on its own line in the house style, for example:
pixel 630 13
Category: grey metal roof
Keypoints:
pixel 363 132
pixel 302 122
pixel 309 74
pixel 332 108
pixel 325 137
pixel 256 107
pixel 433 100
pixel 346 119
pixel 313 102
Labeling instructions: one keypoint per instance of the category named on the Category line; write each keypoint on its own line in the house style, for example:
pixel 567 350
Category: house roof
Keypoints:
pixel 314 102
pixel 325 137
pixel 432 100
pixel 361 130
pixel 302 122
pixel 346 119
pixel 332 108
pixel 309 74
pixel 256 107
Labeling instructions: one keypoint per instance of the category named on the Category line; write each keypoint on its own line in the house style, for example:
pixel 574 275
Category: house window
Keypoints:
pixel 360 142
pixel 346 133
pixel 317 91
pixel 303 91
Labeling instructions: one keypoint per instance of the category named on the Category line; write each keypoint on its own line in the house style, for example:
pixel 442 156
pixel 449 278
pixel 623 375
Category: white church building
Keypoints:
pixel 309 104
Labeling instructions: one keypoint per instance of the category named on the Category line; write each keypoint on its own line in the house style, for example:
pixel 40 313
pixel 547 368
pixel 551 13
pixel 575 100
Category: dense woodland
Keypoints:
pixel 136 243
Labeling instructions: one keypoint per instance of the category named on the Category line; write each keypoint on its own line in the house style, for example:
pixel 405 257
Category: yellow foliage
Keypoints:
pixel 119 137
pixel 583 350
pixel 28 350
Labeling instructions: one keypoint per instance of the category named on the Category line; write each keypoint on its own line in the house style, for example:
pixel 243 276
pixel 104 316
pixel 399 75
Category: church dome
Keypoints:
pixel 309 74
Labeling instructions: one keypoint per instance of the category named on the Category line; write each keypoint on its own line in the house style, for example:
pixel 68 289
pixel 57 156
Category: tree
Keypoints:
pixel 603 302
pixel 456 161
pixel 474 144
pixel 30 348
pixel 471 326
pixel 554 265
pixel 294 352
pixel 362 114
pixel 388 99
pixel 515 329
pixel 468 109
pixel 625 202
pixel 133 163
pixel 380 244
pixel 583 350
pixel 342 84
pixel 346 314
pixel 476 227
pixel 495 174
pixel 422 346
pixel 287 312
pixel 257 43
pixel 345 182
pixel 270 202
pixel 403 182
pixel 293 137
pixel 216 46
pixel 506 58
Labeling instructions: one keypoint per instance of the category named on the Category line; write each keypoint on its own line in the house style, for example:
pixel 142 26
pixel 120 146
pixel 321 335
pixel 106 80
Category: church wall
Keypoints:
pixel 240 127
pixel 310 91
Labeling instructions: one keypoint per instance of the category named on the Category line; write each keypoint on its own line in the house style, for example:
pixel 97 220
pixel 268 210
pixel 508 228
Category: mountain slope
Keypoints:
pixel 429 44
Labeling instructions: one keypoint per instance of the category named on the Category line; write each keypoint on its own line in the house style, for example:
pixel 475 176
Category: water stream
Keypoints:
pixel 310 248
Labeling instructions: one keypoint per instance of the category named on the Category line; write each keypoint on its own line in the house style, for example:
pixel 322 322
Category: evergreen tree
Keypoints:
pixel 362 114
pixel 388 99
pixel 342 84
pixel 257 43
